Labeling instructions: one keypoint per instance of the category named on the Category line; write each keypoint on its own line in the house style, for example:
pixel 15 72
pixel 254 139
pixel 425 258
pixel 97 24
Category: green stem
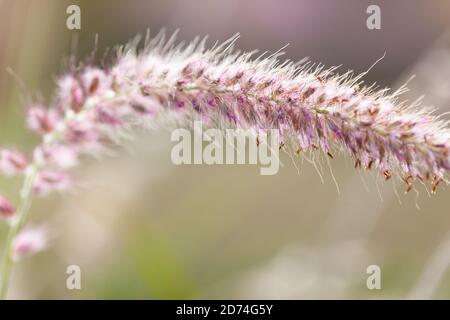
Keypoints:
pixel 17 223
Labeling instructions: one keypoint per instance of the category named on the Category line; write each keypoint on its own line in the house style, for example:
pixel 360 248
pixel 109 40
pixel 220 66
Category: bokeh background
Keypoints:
pixel 141 227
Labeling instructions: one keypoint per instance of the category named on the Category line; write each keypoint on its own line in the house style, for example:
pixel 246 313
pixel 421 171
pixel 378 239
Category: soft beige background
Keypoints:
pixel 140 227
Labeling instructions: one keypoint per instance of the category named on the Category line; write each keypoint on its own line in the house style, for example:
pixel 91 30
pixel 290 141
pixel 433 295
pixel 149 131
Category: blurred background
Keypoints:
pixel 140 227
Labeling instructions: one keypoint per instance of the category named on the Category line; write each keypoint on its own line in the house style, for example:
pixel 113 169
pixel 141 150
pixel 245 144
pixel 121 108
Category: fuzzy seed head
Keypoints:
pixel 312 107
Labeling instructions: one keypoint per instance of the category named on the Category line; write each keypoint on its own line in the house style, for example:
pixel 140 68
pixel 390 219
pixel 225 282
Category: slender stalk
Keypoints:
pixel 22 214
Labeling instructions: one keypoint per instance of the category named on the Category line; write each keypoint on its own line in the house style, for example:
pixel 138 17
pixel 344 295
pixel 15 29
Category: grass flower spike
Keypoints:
pixel 312 108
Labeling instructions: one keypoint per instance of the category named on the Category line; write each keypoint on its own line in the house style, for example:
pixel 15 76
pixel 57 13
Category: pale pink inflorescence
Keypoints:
pixel 29 241
pixel 7 210
pixel 310 106
pixel 12 162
